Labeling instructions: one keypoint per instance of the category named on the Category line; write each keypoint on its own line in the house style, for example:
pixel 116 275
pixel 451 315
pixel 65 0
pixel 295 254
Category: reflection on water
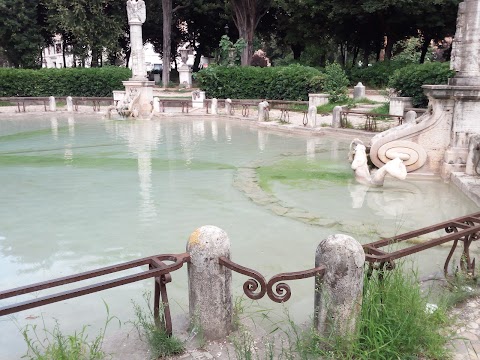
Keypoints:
pixel 104 192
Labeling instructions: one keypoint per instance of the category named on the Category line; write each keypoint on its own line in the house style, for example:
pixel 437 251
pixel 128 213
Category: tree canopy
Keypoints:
pixel 312 31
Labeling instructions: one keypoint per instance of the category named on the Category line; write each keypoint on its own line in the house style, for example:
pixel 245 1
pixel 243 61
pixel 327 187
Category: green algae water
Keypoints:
pixel 78 193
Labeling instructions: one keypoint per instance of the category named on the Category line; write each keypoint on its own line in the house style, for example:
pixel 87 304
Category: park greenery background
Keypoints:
pixel 370 39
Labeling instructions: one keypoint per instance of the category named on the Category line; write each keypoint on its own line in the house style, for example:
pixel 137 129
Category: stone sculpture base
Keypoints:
pixel 437 142
pixel 185 76
pixel 143 106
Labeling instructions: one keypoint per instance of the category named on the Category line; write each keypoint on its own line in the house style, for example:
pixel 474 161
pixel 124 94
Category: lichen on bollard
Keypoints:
pixel 209 283
pixel 338 295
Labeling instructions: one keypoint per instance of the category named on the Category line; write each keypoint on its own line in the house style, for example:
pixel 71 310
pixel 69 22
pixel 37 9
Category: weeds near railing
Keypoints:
pixel 44 344
pixel 154 333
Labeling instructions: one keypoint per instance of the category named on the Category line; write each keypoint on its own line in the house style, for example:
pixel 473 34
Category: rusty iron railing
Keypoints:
pixel 465 229
pixel 157 269
pixel 370 118
pixel 281 292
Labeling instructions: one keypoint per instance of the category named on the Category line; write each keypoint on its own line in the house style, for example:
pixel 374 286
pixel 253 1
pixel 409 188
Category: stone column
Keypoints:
pixel 136 13
pixel 209 283
pixel 52 104
pixel 338 295
pixel 317 99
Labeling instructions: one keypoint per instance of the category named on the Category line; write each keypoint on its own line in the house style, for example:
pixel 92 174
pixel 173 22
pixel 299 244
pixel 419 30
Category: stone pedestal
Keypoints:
pixel 185 75
pixel 139 96
pixel 317 99
pixel 399 104
pixel 359 91
pixel 198 98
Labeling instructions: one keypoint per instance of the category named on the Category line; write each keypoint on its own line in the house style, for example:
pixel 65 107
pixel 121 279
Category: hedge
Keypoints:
pixel 408 80
pixel 92 82
pixel 293 82
pixel 375 76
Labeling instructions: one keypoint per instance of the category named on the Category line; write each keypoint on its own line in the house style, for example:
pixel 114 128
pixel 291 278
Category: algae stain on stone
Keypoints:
pixel 299 172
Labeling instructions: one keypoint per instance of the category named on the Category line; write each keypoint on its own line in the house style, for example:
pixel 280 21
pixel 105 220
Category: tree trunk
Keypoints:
pixel 63 53
pixel 94 62
pixel 389 48
pixel 246 16
pixel 425 45
pixel 167 40
pixel 297 50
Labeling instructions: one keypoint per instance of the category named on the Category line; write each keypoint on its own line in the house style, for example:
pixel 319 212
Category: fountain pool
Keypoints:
pixel 79 193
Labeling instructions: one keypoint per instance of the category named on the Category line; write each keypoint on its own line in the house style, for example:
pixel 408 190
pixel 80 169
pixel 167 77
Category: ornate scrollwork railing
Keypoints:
pixel 280 292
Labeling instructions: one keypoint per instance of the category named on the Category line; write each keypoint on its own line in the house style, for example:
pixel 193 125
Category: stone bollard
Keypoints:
pixel 312 116
pixel 410 117
pixel 209 283
pixel 52 103
pixel 338 296
pixel 473 157
pixel 263 111
pixel 214 106
pixel 228 106
pixel 156 104
pixel 69 104
pixel 359 91
pixel 337 117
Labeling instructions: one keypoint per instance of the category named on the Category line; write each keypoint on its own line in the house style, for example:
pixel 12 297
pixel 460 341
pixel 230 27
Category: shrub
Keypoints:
pixel 94 82
pixel 293 82
pixel 408 80
pixel 336 83
pixel 375 76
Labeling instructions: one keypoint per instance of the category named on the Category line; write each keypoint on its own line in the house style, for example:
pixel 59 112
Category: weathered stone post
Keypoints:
pixel 209 283
pixel 156 104
pixel 410 117
pixel 312 116
pixel 228 106
pixel 359 91
pixel 263 111
pixel 338 296
pixel 214 106
pixel 337 117
pixel 52 103
pixel 69 104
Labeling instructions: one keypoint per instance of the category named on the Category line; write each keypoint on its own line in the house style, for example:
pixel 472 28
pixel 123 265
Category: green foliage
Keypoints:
pixel 230 53
pixel 375 76
pixel 408 80
pixel 54 345
pixel 160 344
pixel 94 82
pixel 293 82
pixel 395 323
pixel 336 83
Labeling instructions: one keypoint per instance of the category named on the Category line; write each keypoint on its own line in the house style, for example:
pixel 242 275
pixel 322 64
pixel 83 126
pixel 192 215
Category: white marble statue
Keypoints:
pixel 136 11
pixel 358 156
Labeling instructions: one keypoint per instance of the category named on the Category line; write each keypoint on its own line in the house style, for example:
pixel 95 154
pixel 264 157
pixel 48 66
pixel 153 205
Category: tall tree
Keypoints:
pixel 94 25
pixel 23 32
pixel 246 16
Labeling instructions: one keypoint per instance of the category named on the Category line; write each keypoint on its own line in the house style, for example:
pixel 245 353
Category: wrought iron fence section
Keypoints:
pixel 279 293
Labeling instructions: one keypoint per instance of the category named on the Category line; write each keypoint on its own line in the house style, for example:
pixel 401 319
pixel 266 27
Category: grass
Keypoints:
pixel 53 344
pixel 153 331
pixel 328 107
pixel 6 103
pixel 394 323
pixel 383 109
